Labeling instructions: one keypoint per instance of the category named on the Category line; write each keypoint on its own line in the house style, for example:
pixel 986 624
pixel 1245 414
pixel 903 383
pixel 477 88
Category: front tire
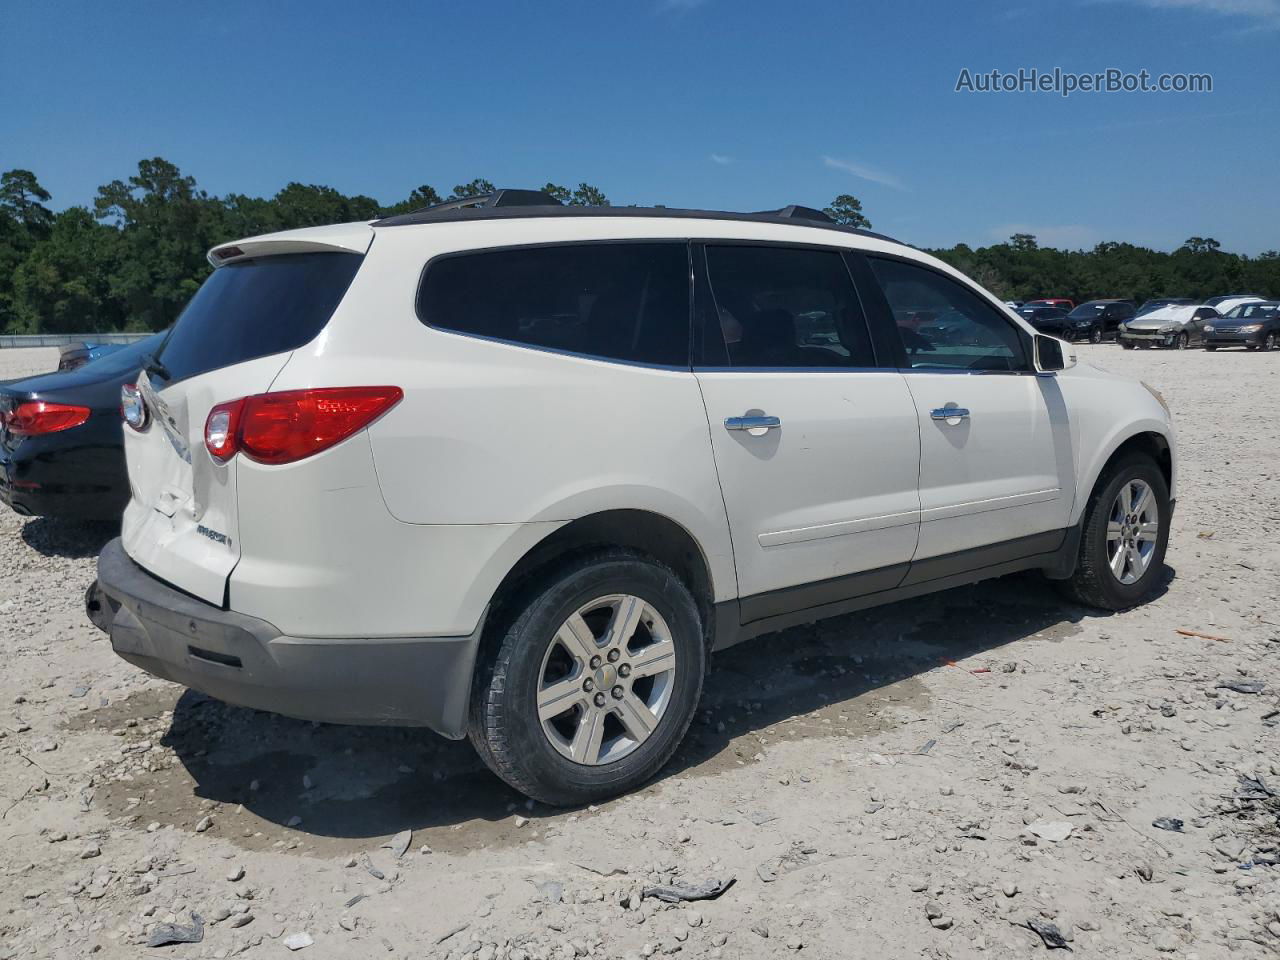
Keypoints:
pixel 1268 342
pixel 1124 536
pixel 1095 335
pixel 595 679
pixel 1126 344
pixel 1211 349
pixel 1181 342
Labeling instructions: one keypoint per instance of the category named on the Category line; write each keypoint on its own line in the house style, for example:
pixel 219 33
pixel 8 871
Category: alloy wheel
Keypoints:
pixel 1133 527
pixel 1269 342
pixel 1182 341
pixel 1095 335
pixel 606 680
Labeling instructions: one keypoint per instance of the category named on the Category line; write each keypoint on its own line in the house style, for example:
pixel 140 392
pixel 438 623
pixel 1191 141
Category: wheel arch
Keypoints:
pixel 1155 443
pixel 645 531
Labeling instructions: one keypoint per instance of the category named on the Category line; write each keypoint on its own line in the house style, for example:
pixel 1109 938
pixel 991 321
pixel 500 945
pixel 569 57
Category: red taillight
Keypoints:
pixel 36 417
pixel 292 425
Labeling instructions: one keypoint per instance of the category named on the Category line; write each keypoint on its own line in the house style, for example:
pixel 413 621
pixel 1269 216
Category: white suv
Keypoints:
pixel 511 470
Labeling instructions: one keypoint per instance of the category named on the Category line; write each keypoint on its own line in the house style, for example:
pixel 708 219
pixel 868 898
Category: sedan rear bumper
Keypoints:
pixel 399 681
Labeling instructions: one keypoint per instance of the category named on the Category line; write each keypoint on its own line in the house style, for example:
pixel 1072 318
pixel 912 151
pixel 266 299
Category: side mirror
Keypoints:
pixel 1053 354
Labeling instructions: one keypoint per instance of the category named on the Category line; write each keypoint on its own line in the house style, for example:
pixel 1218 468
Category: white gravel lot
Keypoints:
pixel 1057 737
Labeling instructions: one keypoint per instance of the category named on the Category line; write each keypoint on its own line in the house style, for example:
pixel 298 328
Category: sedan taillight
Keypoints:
pixel 36 417
pixel 292 425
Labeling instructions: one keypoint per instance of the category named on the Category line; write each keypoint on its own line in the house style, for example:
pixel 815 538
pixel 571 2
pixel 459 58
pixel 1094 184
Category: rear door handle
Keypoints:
pixel 751 423
pixel 950 413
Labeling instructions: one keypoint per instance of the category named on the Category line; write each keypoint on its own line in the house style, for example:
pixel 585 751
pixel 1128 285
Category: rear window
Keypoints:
pixel 255 308
pixel 617 301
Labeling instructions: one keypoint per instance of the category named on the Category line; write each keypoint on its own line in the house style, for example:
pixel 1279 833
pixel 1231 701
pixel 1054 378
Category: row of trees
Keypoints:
pixel 134 259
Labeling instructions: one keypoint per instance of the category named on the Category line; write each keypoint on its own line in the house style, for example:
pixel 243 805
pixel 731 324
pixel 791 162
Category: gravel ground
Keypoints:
pixel 939 778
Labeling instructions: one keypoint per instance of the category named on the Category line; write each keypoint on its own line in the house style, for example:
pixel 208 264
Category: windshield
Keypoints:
pixel 1254 311
pixel 127 358
pixel 1086 310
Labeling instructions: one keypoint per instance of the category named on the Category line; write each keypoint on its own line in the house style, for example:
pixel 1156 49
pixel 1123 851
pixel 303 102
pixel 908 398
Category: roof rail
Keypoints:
pixel 797 212
pixel 505 197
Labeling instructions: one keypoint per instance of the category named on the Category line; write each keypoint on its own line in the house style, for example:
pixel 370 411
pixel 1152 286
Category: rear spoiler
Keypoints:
pixel 339 238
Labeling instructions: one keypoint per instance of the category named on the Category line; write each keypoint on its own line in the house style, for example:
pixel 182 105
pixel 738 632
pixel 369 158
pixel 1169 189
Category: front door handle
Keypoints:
pixel 751 423
pixel 950 413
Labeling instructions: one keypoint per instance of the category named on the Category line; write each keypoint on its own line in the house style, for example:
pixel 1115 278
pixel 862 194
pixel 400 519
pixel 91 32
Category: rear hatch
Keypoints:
pixel 267 297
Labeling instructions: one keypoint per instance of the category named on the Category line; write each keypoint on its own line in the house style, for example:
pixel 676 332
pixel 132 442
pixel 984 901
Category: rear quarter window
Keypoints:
pixel 254 308
pixel 616 301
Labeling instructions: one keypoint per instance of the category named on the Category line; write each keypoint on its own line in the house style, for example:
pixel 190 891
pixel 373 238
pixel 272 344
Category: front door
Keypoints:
pixel 996 462
pixel 817 450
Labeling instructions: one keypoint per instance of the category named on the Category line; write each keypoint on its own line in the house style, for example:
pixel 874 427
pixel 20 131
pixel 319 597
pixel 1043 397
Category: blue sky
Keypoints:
pixel 705 103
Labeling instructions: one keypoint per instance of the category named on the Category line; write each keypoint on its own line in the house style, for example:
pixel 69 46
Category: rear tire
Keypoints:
pixel 563 758
pixel 1096 582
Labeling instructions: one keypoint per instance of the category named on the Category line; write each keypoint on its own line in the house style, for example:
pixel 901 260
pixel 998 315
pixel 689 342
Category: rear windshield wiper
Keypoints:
pixel 158 368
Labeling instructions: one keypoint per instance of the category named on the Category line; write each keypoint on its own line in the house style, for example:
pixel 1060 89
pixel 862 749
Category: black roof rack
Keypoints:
pixel 519 204
pixel 797 212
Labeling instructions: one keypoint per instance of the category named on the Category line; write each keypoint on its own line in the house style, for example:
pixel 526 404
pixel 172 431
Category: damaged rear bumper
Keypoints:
pixel 399 681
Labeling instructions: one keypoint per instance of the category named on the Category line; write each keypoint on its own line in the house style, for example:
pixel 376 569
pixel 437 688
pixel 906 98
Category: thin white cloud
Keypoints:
pixel 862 171
pixel 1266 12
pixel 1070 236
pixel 722 159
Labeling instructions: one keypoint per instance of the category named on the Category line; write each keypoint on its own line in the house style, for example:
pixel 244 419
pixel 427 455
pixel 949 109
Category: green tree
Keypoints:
pixel 64 284
pixel 166 224
pixel 846 209
pixel 24 222
pixel 1024 241
pixel 476 188
pixel 423 196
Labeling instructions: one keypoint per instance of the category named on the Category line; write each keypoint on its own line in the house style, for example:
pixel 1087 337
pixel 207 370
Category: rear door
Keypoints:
pixel 232 339
pixel 817 449
pixel 997 475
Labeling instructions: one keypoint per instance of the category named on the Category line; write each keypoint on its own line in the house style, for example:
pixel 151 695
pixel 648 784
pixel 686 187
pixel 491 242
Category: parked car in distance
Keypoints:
pixel 1254 326
pixel 61 444
pixel 1097 320
pixel 1051 321
pixel 1062 302
pixel 1156 304
pixel 75 355
pixel 1226 304
pixel 1013 304
pixel 1177 327
pixel 352 501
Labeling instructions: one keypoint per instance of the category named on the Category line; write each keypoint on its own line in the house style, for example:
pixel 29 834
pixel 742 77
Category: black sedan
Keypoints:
pixel 61 447
pixel 1254 326
pixel 1050 321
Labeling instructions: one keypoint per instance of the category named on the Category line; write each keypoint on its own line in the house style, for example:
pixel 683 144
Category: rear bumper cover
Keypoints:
pixel 245 661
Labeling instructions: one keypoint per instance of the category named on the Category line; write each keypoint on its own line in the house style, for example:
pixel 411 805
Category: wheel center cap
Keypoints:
pixel 605 676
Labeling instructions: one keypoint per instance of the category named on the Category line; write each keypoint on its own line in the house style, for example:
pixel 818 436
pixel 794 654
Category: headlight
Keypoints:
pixel 1123 328
pixel 1247 328
pixel 1169 328
pixel 1208 328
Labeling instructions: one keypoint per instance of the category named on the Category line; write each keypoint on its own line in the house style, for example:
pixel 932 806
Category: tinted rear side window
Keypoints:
pixel 255 308
pixel 619 301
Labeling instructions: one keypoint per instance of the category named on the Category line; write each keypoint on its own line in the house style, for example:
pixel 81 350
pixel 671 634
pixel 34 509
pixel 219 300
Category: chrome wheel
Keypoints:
pixel 1132 530
pixel 1183 339
pixel 1270 342
pixel 606 679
